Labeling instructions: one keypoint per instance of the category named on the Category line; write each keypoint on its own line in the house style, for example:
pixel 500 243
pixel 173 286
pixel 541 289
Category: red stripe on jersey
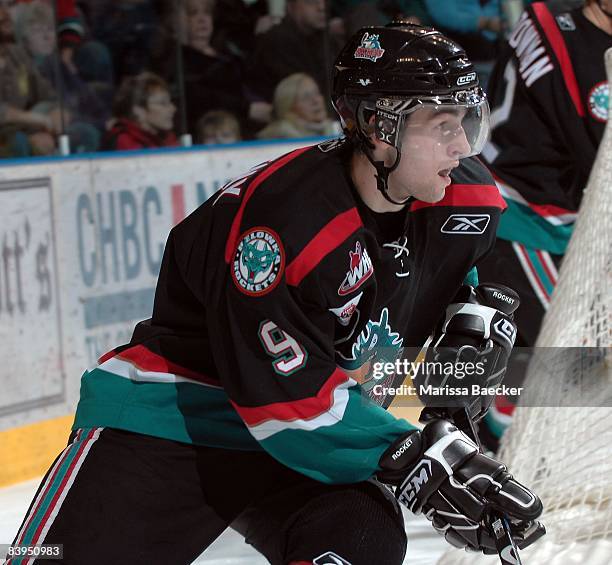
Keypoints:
pixel 555 38
pixel 329 238
pixel 550 210
pixel 303 409
pixel 234 234
pixel 145 360
pixel 107 356
pixel 466 195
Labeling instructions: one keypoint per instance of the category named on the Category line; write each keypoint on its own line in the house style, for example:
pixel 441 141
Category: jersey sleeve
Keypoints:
pixel 279 370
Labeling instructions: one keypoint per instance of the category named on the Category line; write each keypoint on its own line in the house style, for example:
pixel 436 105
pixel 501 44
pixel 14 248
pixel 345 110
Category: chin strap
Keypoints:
pixel 382 172
pixel 382 177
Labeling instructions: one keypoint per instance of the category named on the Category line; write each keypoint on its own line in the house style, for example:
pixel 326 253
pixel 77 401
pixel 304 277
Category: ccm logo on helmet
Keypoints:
pixel 465 79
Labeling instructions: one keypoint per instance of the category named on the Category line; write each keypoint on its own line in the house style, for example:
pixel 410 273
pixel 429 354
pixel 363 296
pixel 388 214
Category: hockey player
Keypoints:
pixel 549 97
pixel 240 402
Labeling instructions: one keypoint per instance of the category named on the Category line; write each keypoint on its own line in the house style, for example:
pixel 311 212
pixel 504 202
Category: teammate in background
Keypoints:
pixel 240 401
pixel 549 97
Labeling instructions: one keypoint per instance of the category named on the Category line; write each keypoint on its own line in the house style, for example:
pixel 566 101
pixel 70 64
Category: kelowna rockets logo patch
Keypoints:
pixel 360 270
pixel 370 47
pixel 598 101
pixel 258 262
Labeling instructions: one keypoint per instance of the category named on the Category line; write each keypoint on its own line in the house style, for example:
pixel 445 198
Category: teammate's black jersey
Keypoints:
pixel 549 105
pixel 275 299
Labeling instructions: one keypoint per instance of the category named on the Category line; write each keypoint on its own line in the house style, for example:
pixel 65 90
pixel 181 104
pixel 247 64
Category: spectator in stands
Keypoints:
pixel 213 77
pixel 24 129
pixel 300 110
pixel 88 110
pixel 143 113
pixel 217 127
pixel 237 22
pixel 297 44
pixel 128 28
pixel 360 13
pixel 81 53
pixel 35 29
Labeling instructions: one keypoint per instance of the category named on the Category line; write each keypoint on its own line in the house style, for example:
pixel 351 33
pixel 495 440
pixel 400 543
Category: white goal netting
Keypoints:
pixel 565 453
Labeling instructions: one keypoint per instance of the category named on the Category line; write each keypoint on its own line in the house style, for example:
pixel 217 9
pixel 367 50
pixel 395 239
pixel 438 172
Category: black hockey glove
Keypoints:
pixel 440 472
pixel 469 350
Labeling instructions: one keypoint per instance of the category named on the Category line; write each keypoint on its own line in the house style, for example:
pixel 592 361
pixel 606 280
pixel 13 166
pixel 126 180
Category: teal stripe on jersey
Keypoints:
pixel 540 271
pixel 71 453
pixel 185 412
pixel 346 452
pixel 520 223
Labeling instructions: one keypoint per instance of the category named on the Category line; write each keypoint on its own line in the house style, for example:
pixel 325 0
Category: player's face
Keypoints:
pixel 433 142
pixel 606 7
pixel 309 103
pixel 159 113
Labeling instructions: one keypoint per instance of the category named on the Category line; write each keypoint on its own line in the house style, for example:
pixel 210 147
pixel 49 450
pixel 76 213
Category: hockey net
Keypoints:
pixel 565 453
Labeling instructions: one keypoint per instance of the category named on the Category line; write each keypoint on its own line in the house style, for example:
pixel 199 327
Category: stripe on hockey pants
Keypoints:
pixel 548 265
pixel 532 274
pixel 54 490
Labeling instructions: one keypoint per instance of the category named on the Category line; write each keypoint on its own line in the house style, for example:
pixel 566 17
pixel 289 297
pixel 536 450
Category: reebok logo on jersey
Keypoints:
pixel 330 558
pixel 360 270
pixel 345 312
pixel 466 224
pixel 258 262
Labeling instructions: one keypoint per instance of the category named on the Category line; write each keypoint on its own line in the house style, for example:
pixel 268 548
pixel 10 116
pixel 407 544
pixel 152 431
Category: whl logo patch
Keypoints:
pixel 369 48
pixel 258 262
pixel 360 270
pixel 466 224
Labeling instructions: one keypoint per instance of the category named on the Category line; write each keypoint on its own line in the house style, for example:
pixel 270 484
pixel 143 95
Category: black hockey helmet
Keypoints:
pixel 391 71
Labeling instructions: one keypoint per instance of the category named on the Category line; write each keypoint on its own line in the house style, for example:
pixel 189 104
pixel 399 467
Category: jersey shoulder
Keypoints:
pixel 304 196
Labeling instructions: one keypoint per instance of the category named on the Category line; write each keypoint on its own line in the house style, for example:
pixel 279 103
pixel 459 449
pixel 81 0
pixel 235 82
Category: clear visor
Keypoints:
pixel 456 126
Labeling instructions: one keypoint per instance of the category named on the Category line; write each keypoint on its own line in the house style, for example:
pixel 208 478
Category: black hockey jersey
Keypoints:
pixel 549 105
pixel 274 296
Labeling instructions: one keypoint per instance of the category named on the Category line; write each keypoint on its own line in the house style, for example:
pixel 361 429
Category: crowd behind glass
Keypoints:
pixel 82 76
